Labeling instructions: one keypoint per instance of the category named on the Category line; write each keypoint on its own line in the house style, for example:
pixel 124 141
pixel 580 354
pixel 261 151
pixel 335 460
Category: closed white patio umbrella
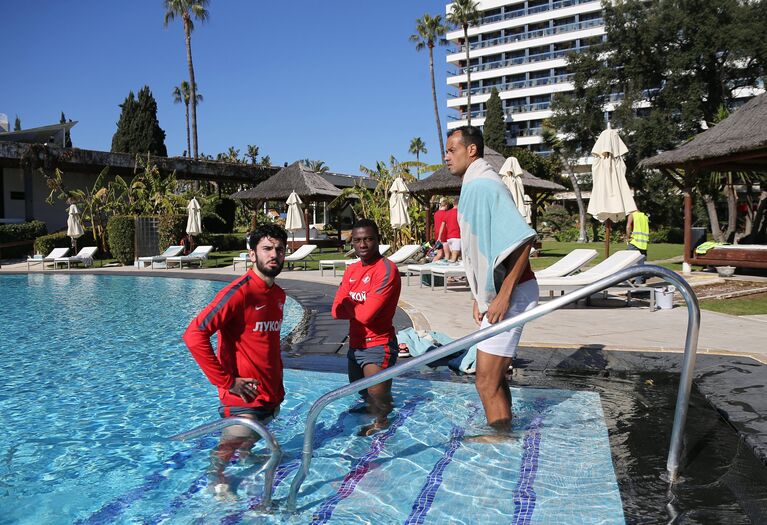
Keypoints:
pixel 295 217
pixel 74 226
pixel 511 175
pixel 194 220
pixel 398 215
pixel 611 198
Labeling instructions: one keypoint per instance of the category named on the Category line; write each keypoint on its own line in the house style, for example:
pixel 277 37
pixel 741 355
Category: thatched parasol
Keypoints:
pixel 293 178
pixel 441 182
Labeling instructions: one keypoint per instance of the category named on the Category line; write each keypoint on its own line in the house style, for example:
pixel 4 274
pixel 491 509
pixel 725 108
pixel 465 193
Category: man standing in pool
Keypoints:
pixel 496 242
pixel 247 368
pixel 368 298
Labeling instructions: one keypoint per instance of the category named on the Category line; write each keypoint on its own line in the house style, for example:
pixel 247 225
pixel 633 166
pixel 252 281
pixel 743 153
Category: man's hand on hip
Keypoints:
pixel 245 387
pixel 497 309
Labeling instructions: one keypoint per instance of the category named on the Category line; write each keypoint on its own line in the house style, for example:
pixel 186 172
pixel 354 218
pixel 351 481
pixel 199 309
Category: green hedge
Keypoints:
pixel 121 233
pixel 26 231
pixel 45 243
pixel 218 215
pixel 667 234
pixel 213 223
pixel 222 242
pixel 170 229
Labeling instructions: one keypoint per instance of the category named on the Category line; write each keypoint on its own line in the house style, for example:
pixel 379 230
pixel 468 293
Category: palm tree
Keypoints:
pixel 430 31
pixel 464 13
pixel 183 93
pixel 418 146
pixel 317 166
pixel 186 9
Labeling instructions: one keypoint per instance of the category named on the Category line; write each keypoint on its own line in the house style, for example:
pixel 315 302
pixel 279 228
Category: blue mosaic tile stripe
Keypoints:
pixel 428 492
pixel 202 481
pixel 524 493
pixel 321 436
pixel 109 512
pixel 362 466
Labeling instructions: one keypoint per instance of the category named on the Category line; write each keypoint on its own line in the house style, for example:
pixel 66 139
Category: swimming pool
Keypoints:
pixel 97 379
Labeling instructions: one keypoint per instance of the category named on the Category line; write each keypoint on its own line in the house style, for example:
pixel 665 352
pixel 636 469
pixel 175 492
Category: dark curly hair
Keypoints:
pixel 274 231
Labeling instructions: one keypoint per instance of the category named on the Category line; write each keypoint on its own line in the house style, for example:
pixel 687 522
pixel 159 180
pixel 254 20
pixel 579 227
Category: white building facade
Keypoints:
pixel 519 48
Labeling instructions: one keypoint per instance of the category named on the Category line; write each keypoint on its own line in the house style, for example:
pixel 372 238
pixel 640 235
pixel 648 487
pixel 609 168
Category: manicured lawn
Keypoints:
pixel 754 305
pixel 552 251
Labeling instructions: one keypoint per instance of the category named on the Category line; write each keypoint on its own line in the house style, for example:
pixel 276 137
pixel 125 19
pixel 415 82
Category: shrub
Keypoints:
pixel 45 243
pixel 558 218
pixel 26 231
pixel 121 231
pixel 170 229
pixel 222 242
pixel 667 234
pixel 224 209
pixel 567 235
pixel 213 223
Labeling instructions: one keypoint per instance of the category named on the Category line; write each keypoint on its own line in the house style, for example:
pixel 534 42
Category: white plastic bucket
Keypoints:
pixel 664 298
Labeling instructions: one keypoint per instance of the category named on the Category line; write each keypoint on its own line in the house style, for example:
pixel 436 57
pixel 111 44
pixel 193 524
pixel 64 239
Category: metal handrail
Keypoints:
pixel 685 382
pixel 269 467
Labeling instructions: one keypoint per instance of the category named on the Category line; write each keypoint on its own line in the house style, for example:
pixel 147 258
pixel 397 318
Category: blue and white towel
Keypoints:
pixel 418 343
pixel 491 230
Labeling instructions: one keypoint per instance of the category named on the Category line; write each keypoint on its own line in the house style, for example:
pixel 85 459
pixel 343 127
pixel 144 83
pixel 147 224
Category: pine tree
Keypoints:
pixel 138 130
pixel 68 137
pixel 17 124
pixel 495 129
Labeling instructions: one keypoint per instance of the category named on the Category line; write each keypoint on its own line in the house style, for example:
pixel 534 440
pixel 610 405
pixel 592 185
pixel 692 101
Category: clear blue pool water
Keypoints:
pixel 95 378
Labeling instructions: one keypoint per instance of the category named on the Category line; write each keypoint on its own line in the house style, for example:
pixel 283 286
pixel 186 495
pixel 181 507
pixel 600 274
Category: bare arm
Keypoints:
pixel 516 263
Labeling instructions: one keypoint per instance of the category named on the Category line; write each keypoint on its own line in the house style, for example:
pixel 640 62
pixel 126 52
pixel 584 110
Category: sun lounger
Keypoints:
pixel 197 256
pixel 615 263
pixel 302 255
pixel 51 257
pixel 570 263
pixel 343 263
pixel 405 253
pixel 243 259
pixel 455 273
pixel 83 257
pixel 171 251
pixel 425 269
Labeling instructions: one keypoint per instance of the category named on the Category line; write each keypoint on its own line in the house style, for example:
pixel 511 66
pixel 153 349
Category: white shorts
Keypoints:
pixel 454 244
pixel 524 297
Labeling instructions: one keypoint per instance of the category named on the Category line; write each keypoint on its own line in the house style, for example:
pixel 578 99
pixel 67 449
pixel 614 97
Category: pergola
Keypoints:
pixel 441 182
pixel 737 144
pixel 296 177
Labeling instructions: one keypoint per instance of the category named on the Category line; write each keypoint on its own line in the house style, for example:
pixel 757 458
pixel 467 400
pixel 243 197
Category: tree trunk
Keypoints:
pixel 188 32
pixel 579 200
pixel 713 217
pixel 188 140
pixel 760 221
pixel 434 98
pixel 732 211
pixel 468 73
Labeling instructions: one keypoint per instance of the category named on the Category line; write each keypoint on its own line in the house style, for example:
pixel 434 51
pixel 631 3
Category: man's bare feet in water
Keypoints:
pixel 501 432
pixel 373 428
pixel 223 493
pixel 362 408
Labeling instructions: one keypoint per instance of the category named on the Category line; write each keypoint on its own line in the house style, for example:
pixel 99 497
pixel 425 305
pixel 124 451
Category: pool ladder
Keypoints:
pixel 680 413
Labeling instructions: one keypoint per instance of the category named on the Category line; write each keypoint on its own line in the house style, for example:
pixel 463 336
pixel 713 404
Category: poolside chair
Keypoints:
pixel 450 273
pixel 198 255
pixel 171 251
pixel 302 255
pixel 39 259
pixel 243 259
pixel 405 253
pixel 569 264
pixel 343 263
pixel 83 257
pixel 615 263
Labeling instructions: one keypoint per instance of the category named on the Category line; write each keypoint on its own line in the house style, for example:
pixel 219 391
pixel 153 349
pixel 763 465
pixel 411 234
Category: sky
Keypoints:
pixel 336 81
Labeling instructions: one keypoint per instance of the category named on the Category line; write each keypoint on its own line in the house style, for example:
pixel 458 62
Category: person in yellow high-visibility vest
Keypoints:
pixel 638 235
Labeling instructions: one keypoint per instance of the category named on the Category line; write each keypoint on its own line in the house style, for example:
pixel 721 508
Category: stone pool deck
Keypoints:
pixel 731 369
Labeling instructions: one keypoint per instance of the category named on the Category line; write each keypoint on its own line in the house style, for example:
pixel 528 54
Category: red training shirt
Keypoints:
pixel 439 218
pixel 247 314
pixel 368 298
pixel 451 223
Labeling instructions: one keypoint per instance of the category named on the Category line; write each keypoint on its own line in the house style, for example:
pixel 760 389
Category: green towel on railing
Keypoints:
pixel 706 246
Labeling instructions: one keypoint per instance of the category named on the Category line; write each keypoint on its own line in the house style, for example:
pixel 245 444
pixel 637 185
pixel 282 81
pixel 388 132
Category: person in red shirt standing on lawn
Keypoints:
pixel 247 368
pixel 368 298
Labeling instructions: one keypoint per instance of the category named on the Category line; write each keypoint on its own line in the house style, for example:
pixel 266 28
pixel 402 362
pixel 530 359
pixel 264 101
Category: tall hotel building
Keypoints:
pixel 520 49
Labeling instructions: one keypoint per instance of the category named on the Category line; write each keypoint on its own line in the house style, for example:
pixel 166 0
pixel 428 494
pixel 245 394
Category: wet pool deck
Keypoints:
pixel 731 367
